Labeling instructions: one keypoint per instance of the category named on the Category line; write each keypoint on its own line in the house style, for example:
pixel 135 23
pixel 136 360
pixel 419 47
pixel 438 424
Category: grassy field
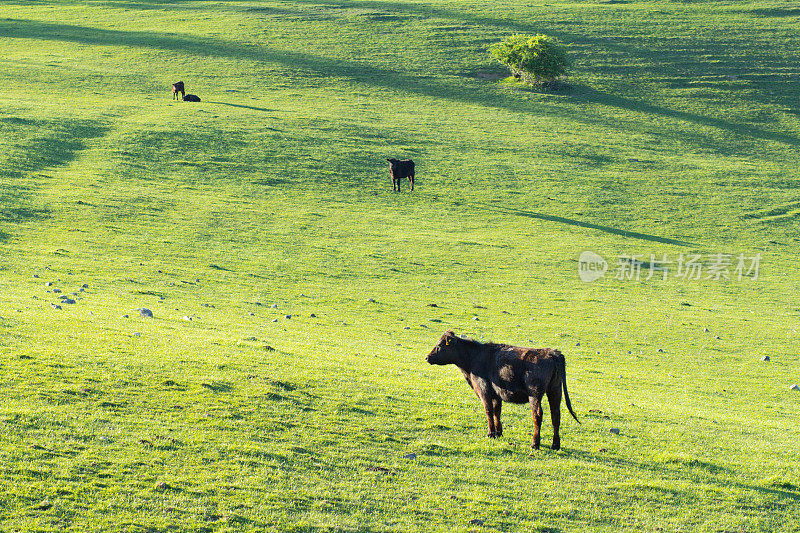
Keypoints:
pixel 281 383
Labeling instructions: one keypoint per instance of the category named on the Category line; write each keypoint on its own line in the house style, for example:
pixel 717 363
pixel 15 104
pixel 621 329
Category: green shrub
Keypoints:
pixel 537 59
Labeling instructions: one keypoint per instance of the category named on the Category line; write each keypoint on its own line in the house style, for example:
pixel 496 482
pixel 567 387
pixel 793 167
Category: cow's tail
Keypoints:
pixel 563 370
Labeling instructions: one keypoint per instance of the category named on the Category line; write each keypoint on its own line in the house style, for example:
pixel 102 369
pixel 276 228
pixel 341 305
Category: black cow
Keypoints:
pixel 400 169
pixel 191 98
pixel 501 372
pixel 177 87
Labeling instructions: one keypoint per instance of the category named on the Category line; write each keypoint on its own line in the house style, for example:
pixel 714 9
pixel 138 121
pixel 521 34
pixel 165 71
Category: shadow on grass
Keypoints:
pixel 360 72
pixel 38 145
pixel 242 106
pixel 45 144
pixel 22 214
pixel 588 225
pixel 583 94
pixel 695 470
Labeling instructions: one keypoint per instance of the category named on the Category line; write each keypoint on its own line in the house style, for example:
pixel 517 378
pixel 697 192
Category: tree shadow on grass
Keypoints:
pixel 242 106
pixel 38 145
pixel 588 225
pixel 584 94
pixel 483 94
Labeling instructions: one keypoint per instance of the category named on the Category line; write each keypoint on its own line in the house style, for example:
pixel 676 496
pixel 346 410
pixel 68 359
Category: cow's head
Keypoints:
pixel 446 350
pixel 392 161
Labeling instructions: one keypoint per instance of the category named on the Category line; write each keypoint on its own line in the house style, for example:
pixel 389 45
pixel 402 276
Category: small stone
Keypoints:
pixel 410 456
pixel 660 350
pixel 795 387
pixel 615 431
pixel 187 318
pixel 288 317
pixel 36 276
pixel 476 522
pixel 475 318
pixel 371 300
pixel 55 306
pixel 125 316
pixel 274 320
pixel 706 330
pixel 406 327
pixel 48 284
pixel 68 301
pixel 252 314
pixel 312 315
pixel 85 286
pixel 137 334
pixel 43 506
pixel 765 358
pixel 161 486
pixel 145 312
pixel 56 291
pixel 274 306
pixel 577 344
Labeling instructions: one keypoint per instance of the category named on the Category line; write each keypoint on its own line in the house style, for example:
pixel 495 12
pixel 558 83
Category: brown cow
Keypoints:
pixel 498 372
pixel 401 168
pixel 177 87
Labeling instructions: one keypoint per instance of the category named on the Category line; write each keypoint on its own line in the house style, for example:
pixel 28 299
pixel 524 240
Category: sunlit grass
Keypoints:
pixel 281 383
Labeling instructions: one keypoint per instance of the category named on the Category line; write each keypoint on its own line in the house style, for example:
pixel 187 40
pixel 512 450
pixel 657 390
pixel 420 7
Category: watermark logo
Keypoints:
pixel 712 267
pixel 591 266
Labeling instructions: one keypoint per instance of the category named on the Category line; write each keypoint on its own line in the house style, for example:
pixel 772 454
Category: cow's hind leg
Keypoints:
pixel 411 179
pixel 554 399
pixel 536 411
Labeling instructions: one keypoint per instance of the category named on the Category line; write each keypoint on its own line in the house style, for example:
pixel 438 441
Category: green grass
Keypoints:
pixel 678 134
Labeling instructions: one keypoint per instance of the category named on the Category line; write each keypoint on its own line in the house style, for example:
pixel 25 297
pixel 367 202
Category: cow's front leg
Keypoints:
pixel 497 407
pixel 536 411
pixel 489 409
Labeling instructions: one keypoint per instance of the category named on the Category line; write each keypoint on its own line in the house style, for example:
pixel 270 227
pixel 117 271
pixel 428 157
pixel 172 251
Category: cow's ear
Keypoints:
pixel 450 333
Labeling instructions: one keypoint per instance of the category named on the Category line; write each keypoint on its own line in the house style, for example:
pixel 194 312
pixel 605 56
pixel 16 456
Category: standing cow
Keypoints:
pixel 501 372
pixel 177 87
pixel 401 168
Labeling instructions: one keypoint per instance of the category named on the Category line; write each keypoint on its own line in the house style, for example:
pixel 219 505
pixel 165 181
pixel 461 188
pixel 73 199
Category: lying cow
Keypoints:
pixel 498 372
pixel 191 98
pixel 401 168
pixel 177 87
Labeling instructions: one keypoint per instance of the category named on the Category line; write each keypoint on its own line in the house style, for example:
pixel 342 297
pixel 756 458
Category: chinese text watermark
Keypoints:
pixel 713 267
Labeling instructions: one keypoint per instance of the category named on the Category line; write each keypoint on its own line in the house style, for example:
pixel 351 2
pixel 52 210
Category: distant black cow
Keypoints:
pixel 401 169
pixel 501 372
pixel 177 87
pixel 191 98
